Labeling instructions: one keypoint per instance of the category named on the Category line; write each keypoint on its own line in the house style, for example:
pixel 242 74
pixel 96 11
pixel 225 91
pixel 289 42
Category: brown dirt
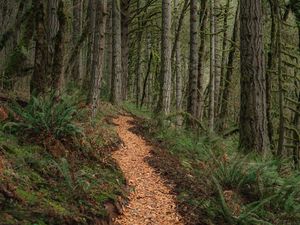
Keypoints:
pixel 152 201
pixel 169 167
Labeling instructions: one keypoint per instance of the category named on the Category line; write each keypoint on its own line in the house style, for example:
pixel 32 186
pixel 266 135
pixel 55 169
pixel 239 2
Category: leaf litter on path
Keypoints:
pixel 151 202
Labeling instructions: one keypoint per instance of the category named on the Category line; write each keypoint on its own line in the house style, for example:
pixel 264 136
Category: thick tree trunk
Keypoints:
pixel 40 78
pixel 117 54
pixel 166 57
pixel 253 112
pixel 98 55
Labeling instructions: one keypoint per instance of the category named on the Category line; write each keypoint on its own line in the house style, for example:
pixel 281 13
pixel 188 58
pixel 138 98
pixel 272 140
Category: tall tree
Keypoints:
pixel 193 64
pixel 125 44
pixel 77 30
pixel 98 55
pixel 116 53
pixel 224 113
pixel 201 58
pixel 59 49
pixel 212 79
pixel 253 110
pixel 40 79
pixel 166 57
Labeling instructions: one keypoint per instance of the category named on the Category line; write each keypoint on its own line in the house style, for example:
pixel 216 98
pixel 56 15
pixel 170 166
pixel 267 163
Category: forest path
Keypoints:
pixel 151 202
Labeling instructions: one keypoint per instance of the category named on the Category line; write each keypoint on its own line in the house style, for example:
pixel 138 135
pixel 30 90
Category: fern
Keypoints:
pixel 46 115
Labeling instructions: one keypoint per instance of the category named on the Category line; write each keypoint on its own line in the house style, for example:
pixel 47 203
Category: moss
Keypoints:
pixel 28 196
pixel 57 207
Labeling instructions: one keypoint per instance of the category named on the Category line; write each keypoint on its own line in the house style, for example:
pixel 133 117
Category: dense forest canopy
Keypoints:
pixel 227 68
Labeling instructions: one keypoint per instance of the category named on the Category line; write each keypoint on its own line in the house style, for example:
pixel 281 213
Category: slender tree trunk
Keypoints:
pixel 193 66
pixel 117 54
pixel 229 73
pixel 77 30
pixel 138 67
pixel 272 65
pixel 166 57
pixel 201 59
pixel 146 79
pixel 253 112
pixel 212 67
pixel 178 74
pixel 125 45
pixel 91 15
pixel 224 52
pixel 98 55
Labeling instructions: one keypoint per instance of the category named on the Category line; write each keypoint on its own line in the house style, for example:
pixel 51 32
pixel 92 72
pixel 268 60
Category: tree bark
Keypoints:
pixel 77 30
pixel 91 15
pixel 116 53
pixel 59 50
pixel 98 55
pixel 212 80
pixel 166 57
pixel 193 64
pixel 253 111
pixel 224 113
pixel 201 58
pixel 178 72
pixel 125 45
pixel 224 52
pixel 40 79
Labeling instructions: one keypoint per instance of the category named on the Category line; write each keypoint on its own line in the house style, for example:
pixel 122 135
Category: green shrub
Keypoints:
pixel 45 115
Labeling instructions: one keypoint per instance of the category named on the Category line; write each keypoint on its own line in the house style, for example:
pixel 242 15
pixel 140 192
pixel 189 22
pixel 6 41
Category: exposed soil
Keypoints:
pixel 152 201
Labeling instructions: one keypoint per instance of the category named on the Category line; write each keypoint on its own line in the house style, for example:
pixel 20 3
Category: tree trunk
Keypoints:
pixel 193 66
pixel 272 65
pixel 201 59
pixel 77 30
pixel 224 52
pixel 178 72
pixel 253 111
pixel 212 68
pixel 59 50
pixel 40 78
pixel 91 15
pixel 98 55
pixel 125 45
pixel 166 57
pixel 229 73
pixel 116 53
pixel 138 67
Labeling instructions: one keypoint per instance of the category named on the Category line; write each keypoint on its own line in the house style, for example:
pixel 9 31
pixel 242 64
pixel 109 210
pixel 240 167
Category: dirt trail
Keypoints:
pixel 151 202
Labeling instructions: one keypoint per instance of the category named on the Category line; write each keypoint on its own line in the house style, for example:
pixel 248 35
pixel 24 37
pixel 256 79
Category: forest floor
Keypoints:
pixel 152 201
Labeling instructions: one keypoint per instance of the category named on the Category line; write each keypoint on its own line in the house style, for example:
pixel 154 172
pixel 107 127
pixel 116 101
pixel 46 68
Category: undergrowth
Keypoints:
pixel 46 115
pixel 39 187
pixel 234 188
